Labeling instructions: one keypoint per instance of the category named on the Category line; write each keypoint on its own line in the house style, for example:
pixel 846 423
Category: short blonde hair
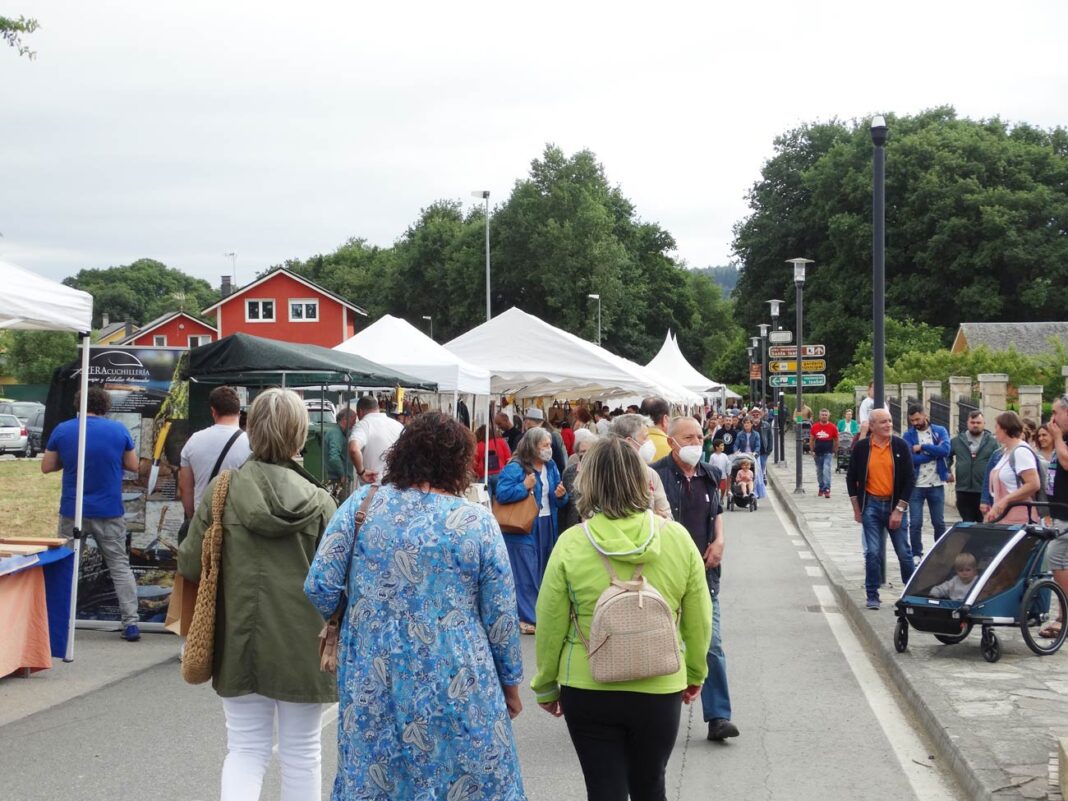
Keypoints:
pixel 613 480
pixel 965 559
pixel 277 425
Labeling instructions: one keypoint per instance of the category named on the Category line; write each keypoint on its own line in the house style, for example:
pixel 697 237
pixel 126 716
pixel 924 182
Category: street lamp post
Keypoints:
pixel 749 350
pixel 597 298
pixel 754 383
pixel 430 319
pixel 484 194
pixel 878 257
pixel 799 284
pixel 763 362
pixel 780 424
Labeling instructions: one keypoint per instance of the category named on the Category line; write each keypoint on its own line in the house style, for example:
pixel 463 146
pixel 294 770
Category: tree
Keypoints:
pixel 142 291
pixel 12 29
pixel 32 355
pixel 977 225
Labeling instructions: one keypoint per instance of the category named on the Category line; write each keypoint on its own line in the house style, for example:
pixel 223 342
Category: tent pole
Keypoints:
pixel 79 495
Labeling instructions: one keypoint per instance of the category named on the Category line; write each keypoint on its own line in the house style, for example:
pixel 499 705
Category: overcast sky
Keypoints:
pixel 183 130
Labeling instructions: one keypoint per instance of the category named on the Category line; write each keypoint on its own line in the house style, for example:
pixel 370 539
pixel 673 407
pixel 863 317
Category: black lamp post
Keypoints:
pixel 749 350
pixel 799 284
pixel 780 424
pixel 878 257
pixel 763 362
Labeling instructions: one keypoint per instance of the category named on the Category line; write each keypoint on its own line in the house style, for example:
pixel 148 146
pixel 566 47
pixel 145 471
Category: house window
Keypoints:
pixel 159 341
pixel 259 311
pixel 196 341
pixel 303 310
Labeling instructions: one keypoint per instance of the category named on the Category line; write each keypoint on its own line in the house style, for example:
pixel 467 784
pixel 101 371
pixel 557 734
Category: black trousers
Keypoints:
pixel 968 506
pixel 623 741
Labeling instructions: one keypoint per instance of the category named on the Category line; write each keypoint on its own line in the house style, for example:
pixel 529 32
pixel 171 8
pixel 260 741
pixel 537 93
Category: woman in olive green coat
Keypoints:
pixel 266 631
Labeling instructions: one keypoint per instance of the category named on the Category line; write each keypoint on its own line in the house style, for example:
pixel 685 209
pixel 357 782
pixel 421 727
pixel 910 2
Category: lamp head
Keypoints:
pixel 749 350
pixel 481 193
pixel 799 269
pixel 878 130
pixel 763 329
pixel 755 341
pixel 594 297
pixel 427 317
pixel 776 304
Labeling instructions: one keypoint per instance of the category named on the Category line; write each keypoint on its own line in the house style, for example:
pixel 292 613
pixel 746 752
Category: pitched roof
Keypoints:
pixel 154 324
pixel 299 278
pixel 1029 339
pixel 111 328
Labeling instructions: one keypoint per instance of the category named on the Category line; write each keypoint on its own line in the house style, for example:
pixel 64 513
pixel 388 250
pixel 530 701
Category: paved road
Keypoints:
pixel 809 726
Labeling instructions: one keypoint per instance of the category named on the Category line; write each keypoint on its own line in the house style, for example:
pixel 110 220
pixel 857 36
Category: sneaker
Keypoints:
pixel 873 602
pixel 131 633
pixel 720 729
pixel 827 494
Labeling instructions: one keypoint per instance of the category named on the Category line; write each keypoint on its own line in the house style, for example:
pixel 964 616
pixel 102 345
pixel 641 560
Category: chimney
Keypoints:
pixel 129 328
pixel 227 288
pixel 105 320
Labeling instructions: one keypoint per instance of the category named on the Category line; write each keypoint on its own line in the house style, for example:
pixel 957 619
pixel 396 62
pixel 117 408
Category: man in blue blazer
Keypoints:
pixel 930 445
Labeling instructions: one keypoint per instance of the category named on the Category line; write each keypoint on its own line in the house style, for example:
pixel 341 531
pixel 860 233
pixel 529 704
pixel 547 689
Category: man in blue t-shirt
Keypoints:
pixel 109 449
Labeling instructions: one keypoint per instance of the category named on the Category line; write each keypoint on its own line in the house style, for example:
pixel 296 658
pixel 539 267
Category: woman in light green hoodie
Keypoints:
pixel 623 732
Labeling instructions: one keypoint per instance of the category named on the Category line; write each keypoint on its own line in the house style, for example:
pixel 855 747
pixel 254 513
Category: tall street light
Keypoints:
pixel 878 257
pixel 763 361
pixel 776 394
pixel 430 319
pixel 755 342
pixel 484 194
pixel 749 350
pixel 799 283
pixel 598 299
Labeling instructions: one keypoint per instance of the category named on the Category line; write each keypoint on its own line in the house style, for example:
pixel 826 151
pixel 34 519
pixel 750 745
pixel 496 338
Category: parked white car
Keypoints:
pixel 13 435
pixel 316 405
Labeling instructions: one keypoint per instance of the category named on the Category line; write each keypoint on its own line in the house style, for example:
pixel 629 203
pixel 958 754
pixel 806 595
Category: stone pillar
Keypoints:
pixel 1064 372
pixel 908 390
pixel 1031 402
pixel 992 390
pixel 930 389
pixel 960 386
pixel 859 394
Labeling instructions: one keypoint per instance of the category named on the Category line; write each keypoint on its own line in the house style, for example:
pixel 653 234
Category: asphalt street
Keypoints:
pixel 817 721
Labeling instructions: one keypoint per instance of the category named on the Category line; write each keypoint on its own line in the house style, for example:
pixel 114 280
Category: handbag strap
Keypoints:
pixel 225 450
pixel 361 516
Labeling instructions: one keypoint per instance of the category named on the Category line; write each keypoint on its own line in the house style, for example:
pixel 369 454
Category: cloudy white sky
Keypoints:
pixel 183 130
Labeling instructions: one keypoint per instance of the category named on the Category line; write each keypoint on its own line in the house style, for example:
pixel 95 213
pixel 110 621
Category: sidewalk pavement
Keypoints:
pixel 997 724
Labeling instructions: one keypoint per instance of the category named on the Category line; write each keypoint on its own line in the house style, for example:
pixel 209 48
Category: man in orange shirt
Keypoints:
pixel 879 483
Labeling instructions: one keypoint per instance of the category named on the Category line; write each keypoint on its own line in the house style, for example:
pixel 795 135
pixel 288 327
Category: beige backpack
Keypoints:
pixel 633 633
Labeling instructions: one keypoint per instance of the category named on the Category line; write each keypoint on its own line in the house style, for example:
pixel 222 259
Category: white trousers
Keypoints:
pixel 250 737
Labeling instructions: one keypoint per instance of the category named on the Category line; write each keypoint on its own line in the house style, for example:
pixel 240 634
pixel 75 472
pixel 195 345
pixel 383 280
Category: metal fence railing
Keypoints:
pixel 940 411
pixel 965 406
pixel 895 413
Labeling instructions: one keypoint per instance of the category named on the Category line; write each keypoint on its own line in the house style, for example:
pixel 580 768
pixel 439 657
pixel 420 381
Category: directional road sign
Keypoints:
pixel 754 372
pixel 790 351
pixel 781 337
pixel 807 366
pixel 809 380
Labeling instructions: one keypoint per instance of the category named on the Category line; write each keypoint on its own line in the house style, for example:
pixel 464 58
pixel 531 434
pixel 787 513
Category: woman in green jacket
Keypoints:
pixel 266 660
pixel 623 732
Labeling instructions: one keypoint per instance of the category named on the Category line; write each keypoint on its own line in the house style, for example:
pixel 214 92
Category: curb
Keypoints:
pixel 969 758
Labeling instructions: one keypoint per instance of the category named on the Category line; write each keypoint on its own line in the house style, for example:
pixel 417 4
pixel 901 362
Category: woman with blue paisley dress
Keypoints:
pixel 429 661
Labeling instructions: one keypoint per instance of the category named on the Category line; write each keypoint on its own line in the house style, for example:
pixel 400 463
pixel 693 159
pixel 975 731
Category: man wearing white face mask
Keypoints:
pixel 692 489
pixel 634 428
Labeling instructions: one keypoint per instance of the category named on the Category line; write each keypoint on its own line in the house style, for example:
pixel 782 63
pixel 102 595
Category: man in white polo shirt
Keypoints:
pixel 371 437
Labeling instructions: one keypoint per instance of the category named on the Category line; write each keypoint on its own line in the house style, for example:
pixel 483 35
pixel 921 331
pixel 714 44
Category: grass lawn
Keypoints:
pixel 29 500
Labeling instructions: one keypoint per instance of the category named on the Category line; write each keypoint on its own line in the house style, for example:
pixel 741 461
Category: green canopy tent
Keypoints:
pixel 249 361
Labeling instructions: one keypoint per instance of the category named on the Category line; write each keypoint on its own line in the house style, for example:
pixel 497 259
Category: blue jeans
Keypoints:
pixel 936 504
pixel 764 463
pixel 715 697
pixel 823 471
pixel 874 519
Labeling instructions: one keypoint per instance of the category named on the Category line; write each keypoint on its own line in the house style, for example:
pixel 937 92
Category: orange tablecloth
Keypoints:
pixel 24 622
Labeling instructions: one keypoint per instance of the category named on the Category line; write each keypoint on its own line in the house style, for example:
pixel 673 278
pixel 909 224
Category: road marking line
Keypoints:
pixel 815 572
pixel 806 554
pixel 797 542
pixel 925 778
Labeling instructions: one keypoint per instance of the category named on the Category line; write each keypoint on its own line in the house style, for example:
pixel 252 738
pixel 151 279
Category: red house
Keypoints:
pixel 286 306
pixel 173 330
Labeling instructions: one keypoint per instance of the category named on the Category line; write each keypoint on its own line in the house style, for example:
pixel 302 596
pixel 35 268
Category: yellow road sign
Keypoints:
pixel 807 366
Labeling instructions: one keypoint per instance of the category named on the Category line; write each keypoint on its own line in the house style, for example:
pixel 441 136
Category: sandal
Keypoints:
pixel 1051 631
pixel 526 628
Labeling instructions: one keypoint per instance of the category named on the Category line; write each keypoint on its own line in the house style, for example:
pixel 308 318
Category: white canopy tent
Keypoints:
pixel 530 358
pixel 671 363
pixel 32 302
pixel 398 344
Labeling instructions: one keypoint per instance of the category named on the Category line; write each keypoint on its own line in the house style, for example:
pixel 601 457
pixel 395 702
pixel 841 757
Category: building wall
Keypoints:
pixel 177 332
pixel 334 326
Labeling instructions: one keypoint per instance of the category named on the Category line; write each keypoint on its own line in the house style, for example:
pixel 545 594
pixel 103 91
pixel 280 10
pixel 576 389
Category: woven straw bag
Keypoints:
pixel 199 655
pixel 633 632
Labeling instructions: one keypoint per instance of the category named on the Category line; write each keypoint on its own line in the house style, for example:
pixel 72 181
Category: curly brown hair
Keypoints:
pixel 433 448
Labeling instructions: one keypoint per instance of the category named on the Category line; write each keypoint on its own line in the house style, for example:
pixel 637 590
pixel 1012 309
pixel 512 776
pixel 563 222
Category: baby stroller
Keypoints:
pixel 1010 588
pixel 845 449
pixel 736 498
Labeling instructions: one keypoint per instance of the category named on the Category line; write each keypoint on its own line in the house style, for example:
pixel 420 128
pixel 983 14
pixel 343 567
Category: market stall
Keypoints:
pixel 670 362
pixel 34 303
